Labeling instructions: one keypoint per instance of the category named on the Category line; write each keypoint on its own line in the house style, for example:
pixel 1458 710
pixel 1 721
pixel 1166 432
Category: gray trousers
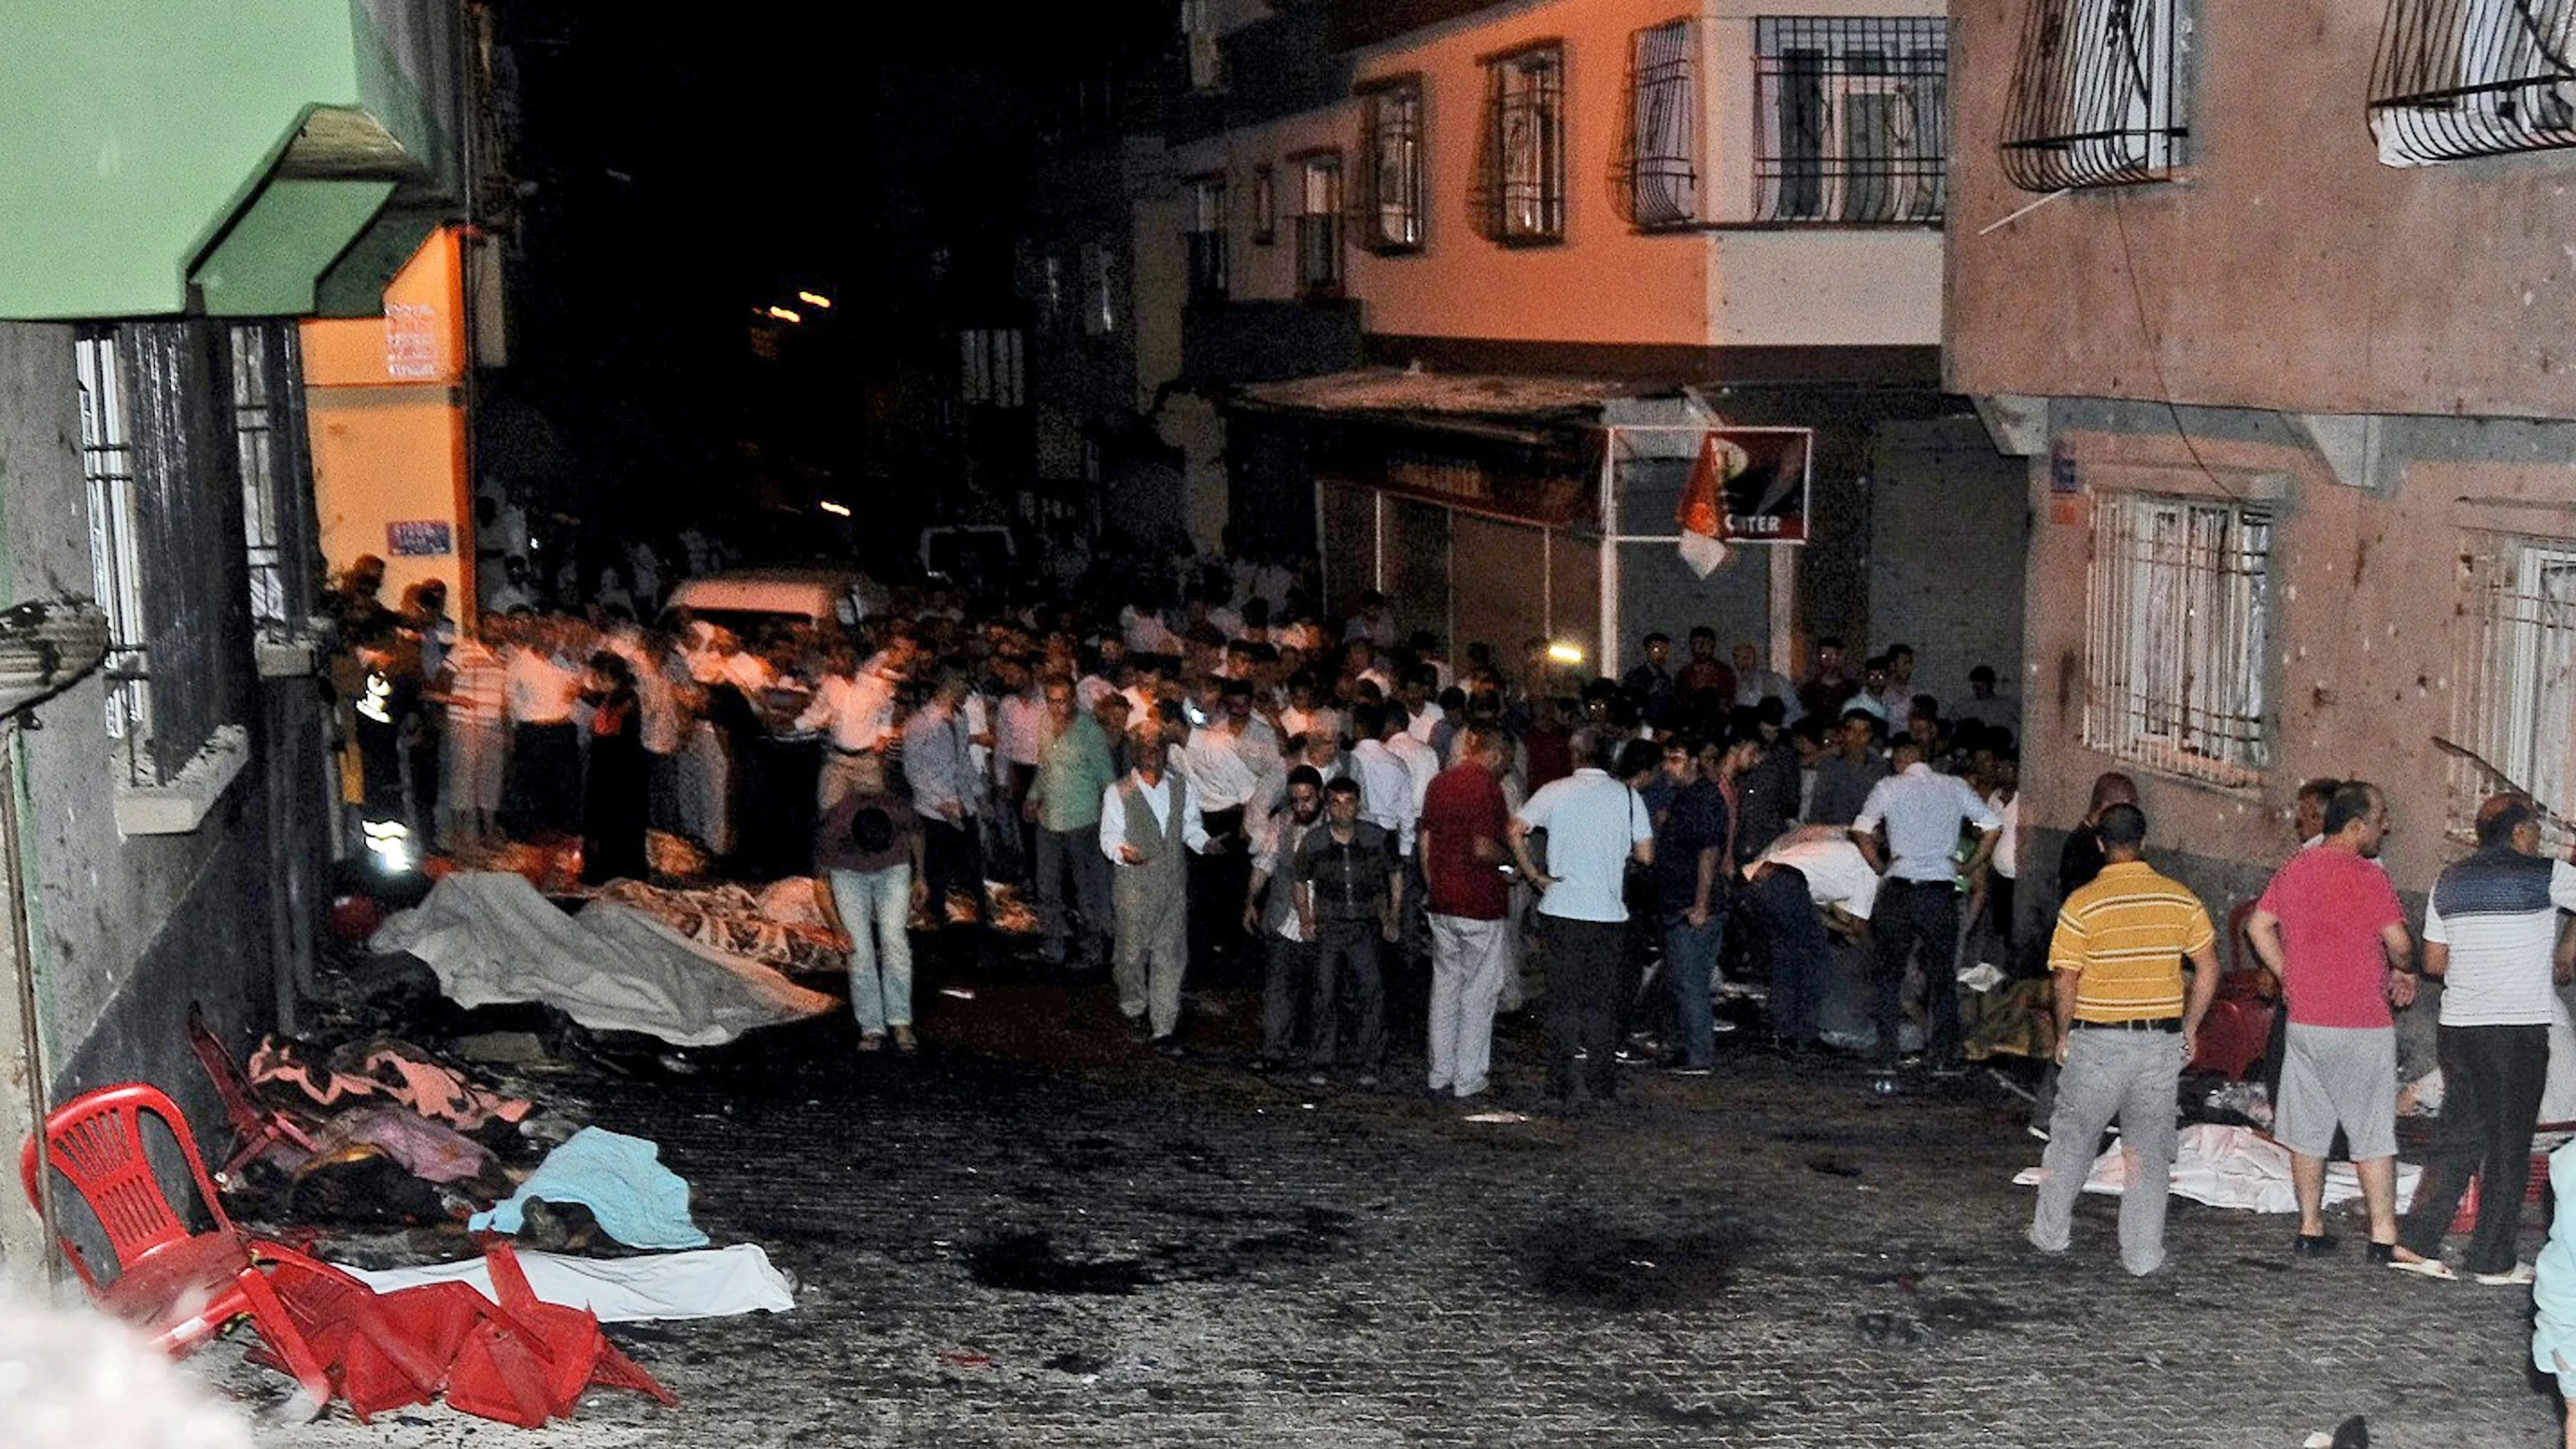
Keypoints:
pixel 2129 1075
pixel 1074 852
pixel 1153 942
pixel 1468 960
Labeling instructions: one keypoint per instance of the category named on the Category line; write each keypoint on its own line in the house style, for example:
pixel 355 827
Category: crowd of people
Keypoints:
pixel 1235 788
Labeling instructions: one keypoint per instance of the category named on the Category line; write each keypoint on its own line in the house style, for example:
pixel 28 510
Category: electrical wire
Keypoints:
pixel 2155 353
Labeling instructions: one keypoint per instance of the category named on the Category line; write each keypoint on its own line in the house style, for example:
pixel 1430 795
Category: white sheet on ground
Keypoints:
pixel 702 1283
pixel 492 938
pixel 2233 1167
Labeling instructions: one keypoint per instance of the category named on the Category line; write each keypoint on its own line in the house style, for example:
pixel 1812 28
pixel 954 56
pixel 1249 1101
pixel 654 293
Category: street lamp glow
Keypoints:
pixel 1565 653
pixel 814 299
pixel 784 315
pixel 837 510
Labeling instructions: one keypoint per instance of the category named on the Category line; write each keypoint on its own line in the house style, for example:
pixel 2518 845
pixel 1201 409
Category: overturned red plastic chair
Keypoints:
pixel 531 1360
pixel 177 1286
pixel 256 1126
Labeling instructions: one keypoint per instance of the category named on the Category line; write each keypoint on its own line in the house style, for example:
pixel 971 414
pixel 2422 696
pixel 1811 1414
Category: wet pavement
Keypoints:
pixel 1037 1232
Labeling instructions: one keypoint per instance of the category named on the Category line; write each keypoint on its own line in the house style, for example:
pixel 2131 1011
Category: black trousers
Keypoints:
pixel 1587 985
pixel 952 859
pixel 1222 876
pixel 543 792
pixel 1911 918
pixel 2491 1083
pixel 1288 998
pixel 1348 963
pixel 1795 947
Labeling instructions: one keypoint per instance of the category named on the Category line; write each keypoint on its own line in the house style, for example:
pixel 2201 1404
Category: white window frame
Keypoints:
pixel 2110 76
pixel 1206 230
pixel 2514 701
pixel 2178 619
pixel 1319 224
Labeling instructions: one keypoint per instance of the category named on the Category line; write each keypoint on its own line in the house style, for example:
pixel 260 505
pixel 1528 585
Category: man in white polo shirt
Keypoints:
pixel 1811 881
pixel 1595 823
pixel 1918 907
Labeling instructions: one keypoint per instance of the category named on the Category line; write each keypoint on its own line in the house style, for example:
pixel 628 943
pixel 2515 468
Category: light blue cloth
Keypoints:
pixel 621 1179
pixel 2553 1292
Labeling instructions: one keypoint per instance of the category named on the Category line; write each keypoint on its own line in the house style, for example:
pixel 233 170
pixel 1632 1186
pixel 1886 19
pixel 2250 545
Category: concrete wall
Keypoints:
pixel 2291 270
pixel 127 931
pixel 1948 517
pixel 2368 626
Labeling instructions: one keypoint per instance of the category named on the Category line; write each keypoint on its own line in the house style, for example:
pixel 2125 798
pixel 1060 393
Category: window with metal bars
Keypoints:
pixel 115 534
pixel 1853 119
pixel 1205 239
pixel 1319 226
pixel 1392 212
pixel 1521 185
pixel 267 416
pixel 2177 621
pixel 2462 78
pixel 992 367
pixel 2100 94
pixel 2516 693
pixel 1660 156
pixel 1204 59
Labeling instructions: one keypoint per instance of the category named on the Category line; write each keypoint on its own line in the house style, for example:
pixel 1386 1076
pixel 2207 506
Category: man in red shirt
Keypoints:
pixel 1460 844
pixel 2330 928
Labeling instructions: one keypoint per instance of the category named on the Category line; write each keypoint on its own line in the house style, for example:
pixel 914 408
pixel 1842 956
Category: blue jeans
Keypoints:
pixel 1690 960
pixel 876 906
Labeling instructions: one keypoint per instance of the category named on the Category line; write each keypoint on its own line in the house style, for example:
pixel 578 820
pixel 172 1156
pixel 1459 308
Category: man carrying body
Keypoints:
pixel 1595 824
pixel 2125 1026
pixel 1460 844
pixel 1149 823
pixel 1350 891
pixel 2490 931
pixel 1811 881
pixel 1919 907
pixel 2329 927
pixel 1074 774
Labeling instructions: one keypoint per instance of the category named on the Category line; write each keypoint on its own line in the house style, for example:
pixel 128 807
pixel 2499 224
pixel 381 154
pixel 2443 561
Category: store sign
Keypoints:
pixel 1765 474
pixel 1552 482
pixel 426 538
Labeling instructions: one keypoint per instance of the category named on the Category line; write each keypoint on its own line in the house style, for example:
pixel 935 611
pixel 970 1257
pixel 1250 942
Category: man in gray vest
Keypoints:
pixel 1147 819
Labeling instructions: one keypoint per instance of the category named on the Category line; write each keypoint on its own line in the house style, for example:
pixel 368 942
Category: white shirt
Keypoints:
pixel 1020 727
pixel 1422 766
pixel 1158 799
pixel 2501 952
pixel 1091 690
pixel 1225 767
pixel 1837 873
pixel 540 690
pixel 1386 788
pixel 1593 824
pixel 1426 722
pixel 859 711
pixel 1923 811
pixel 2007 845
pixel 657 711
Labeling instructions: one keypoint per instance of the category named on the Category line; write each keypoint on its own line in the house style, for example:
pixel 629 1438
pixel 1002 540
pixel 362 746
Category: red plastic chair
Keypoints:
pixel 256 1127
pixel 2238 1028
pixel 179 1287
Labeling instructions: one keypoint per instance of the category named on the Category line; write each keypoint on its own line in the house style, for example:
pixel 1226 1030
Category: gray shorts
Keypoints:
pixel 2338 1074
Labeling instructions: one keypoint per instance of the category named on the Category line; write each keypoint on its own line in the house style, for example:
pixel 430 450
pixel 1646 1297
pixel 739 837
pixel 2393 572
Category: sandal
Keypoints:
pixel 2423 1267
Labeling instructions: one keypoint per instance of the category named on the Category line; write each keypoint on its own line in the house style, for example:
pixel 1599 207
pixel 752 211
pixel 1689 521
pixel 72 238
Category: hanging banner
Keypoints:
pixel 1763 474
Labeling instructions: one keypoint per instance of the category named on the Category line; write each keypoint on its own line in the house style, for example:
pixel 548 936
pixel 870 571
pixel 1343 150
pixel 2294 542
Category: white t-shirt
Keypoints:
pixel 1837 873
pixel 2502 927
pixel 1593 822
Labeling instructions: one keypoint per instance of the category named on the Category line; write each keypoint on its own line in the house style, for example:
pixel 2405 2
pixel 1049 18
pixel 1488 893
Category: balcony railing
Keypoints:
pixel 1853 119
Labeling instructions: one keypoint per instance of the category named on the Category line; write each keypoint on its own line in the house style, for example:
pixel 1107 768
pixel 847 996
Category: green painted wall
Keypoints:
pixel 131 131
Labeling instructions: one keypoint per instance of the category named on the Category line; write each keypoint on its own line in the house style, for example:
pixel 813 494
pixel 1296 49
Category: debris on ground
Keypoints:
pixel 2232 1167
pixel 620 1179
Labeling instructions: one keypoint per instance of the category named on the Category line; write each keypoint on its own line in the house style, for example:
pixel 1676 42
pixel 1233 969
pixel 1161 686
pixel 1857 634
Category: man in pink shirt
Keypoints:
pixel 2330 928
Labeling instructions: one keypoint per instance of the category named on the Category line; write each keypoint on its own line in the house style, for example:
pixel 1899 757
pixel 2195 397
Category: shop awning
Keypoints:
pixel 1526 449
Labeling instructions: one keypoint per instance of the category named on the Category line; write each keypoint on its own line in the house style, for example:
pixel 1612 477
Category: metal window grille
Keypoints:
pixel 1660 169
pixel 2099 94
pixel 1394 209
pixel 1206 61
pixel 1319 227
pixel 2177 619
pixel 1522 182
pixel 1206 239
pixel 265 396
pixel 1853 119
pixel 115 552
pixel 1265 206
pixel 992 368
pixel 2516 690
pixel 2460 78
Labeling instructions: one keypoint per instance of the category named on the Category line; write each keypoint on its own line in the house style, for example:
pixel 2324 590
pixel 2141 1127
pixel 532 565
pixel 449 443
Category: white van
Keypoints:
pixel 744 600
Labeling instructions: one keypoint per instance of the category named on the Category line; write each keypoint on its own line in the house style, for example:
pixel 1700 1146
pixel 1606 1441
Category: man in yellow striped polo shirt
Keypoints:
pixel 2125 1026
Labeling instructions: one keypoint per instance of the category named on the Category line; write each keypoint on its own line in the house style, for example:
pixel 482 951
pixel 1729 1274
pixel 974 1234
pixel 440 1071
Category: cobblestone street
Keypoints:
pixel 1035 1233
